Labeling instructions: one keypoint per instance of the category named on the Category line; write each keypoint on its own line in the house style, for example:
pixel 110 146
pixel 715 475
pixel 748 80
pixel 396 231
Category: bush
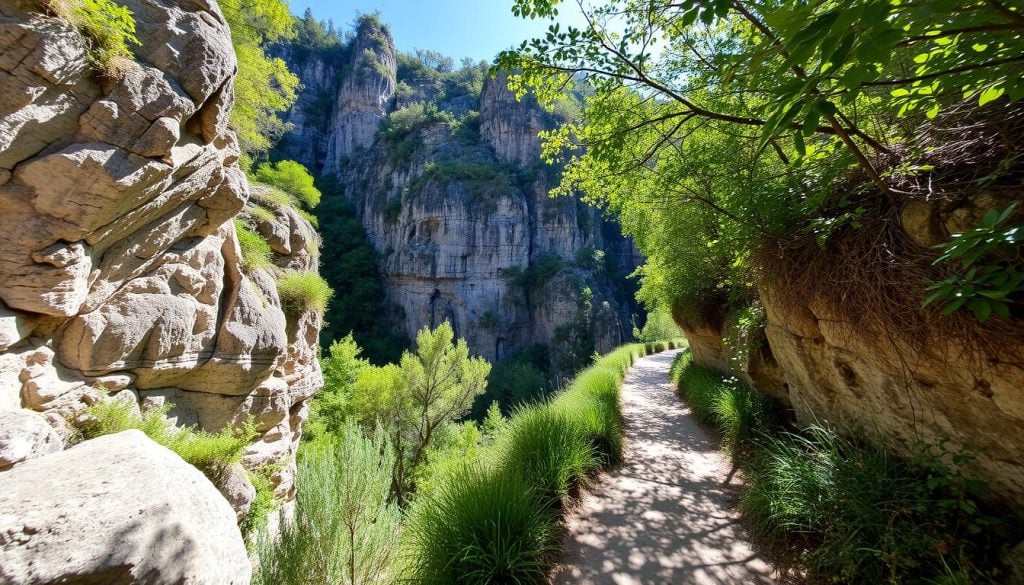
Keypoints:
pixel 405 121
pixel 292 178
pixel 871 517
pixel 481 526
pixel 550 449
pixel 737 411
pixel 263 504
pixel 345 529
pixel 256 252
pixel 211 453
pixel 108 27
pixel 303 291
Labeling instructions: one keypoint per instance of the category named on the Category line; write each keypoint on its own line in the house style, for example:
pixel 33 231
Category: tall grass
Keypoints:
pixel 481 526
pixel 739 412
pixel 346 528
pixel 550 449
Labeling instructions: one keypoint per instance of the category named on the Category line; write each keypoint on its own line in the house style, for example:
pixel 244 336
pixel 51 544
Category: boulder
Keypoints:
pixel 25 435
pixel 117 509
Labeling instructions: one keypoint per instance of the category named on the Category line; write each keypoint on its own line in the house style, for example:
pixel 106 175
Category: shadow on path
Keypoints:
pixel 668 514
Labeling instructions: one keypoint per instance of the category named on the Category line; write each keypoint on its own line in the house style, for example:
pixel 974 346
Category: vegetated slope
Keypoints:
pixel 442 167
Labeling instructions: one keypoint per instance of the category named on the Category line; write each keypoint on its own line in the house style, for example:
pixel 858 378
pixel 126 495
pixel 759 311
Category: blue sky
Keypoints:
pixel 478 29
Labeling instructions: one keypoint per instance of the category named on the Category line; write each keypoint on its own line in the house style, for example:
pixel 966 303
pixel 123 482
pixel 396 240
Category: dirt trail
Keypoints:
pixel 668 514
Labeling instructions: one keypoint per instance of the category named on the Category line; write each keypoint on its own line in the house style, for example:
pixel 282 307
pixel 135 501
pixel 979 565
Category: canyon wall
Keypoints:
pixel 453 195
pixel 121 275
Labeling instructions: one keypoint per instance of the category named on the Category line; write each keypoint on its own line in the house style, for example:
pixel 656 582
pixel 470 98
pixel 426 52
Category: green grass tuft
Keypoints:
pixel 481 526
pixel 303 291
pixel 256 252
pixel 549 448
pixel 211 453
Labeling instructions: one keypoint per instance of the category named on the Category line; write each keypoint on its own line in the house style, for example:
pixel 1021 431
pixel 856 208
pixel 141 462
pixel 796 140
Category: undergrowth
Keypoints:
pixel 493 518
pixel 211 453
pixel 848 512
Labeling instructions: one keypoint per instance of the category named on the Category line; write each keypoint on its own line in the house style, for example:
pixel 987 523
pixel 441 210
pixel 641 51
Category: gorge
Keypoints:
pixel 281 303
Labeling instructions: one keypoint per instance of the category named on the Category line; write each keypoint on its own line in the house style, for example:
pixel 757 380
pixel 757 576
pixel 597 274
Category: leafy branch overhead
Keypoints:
pixel 800 71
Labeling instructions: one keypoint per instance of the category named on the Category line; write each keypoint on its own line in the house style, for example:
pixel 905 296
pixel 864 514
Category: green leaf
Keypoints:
pixel 990 94
pixel 982 310
pixel 798 143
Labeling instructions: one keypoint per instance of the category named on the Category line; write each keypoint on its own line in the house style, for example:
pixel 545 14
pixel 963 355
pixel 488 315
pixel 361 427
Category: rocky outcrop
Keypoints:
pixel 120 266
pixel 460 218
pixel 347 92
pixel 900 382
pixel 117 509
pixel 840 372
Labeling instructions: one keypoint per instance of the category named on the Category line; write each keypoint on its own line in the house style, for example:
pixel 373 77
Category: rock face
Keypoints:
pixel 458 213
pixel 125 511
pixel 836 371
pixel 120 266
pixel 860 378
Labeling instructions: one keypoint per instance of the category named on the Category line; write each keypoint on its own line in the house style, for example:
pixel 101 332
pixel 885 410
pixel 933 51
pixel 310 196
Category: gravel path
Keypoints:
pixel 668 515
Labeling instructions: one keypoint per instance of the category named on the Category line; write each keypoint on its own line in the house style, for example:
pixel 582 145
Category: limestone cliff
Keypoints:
pixel 449 185
pixel 120 268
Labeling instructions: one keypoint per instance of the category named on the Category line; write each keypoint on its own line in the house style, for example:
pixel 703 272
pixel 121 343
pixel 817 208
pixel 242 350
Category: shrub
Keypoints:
pixel 263 504
pixel 345 529
pixel 550 449
pixel 256 252
pixel 211 453
pixel 108 27
pixel 872 517
pixel 481 526
pixel 292 178
pixel 303 291
pixel 404 121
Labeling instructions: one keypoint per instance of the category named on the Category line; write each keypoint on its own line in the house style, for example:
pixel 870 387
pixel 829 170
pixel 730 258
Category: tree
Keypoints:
pixel 333 405
pixel 413 401
pixel 442 382
pixel 264 87
pixel 801 70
